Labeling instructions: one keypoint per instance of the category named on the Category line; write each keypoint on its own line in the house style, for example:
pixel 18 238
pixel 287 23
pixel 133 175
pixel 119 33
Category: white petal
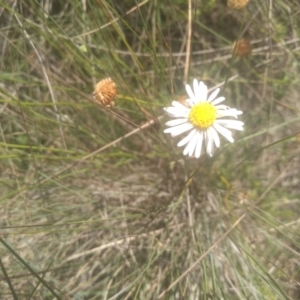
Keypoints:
pixel 199 144
pixel 225 132
pixel 189 149
pixel 186 150
pixel 190 92
pixel 192 144
pixel 236 112
pixel 179 106
pixel 232 112
pixel 187 138
pixel 214 136
pixel 232 124
pixel 196 88
pixel 213 95
pixel 218 100
pixel 209 144
pixel 202 95
pixel 222 107
pixel 176 113
pixel 176 122
pixel 176 130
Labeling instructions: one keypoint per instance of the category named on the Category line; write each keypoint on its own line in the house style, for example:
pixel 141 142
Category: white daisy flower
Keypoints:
pixel 203 120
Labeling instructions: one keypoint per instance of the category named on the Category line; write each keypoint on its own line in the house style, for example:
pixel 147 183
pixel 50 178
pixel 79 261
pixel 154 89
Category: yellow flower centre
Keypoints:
pixel 203 115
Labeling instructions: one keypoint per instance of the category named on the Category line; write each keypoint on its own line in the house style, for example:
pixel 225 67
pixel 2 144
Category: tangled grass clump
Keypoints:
pixel 96 202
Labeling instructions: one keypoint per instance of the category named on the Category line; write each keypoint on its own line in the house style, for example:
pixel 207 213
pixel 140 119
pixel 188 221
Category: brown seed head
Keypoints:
pixel 237 4
pixel 105 92
pixel 242 48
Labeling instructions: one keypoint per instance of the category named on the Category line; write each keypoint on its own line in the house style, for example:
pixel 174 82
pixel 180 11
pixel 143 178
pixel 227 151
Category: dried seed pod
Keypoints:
pixel 105 92
pixel 237 4
pixel 242 48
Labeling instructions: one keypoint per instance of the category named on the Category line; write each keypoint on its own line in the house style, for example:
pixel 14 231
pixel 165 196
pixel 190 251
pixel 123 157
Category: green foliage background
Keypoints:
pixel 92 206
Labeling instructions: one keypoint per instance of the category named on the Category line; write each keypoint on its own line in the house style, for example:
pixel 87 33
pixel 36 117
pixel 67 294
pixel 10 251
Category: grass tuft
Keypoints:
pixel 96 202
